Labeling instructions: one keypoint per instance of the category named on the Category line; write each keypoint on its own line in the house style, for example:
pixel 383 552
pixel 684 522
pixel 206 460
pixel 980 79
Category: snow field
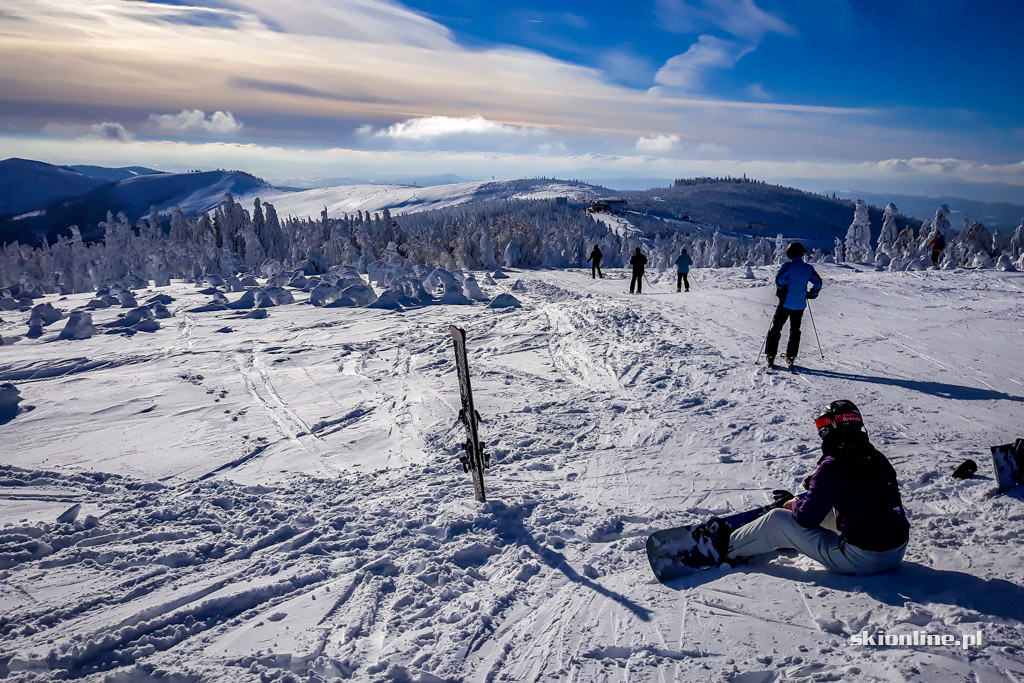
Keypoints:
pixel 284 501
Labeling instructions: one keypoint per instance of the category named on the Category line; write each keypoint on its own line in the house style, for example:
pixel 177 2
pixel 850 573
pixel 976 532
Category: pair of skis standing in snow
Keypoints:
pixel 850 518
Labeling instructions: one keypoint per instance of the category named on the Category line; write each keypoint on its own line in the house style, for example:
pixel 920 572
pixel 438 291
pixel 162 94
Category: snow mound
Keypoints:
pixel 324 295
pixel 471 289
pixel 10 397
pixel 78 326
pixel 356 295
pixel 505 301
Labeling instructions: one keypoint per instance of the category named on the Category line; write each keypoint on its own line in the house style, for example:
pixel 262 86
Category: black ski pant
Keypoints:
pixel 680 279
pixel 637 282
pixel 771 345
pixel 935 257
pixel 595 270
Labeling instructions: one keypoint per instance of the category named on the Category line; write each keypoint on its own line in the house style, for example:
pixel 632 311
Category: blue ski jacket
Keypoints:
pixel 683 263
pixel 792 280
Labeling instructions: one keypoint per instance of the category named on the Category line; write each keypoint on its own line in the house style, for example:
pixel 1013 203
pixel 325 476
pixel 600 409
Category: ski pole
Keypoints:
pixel 764 342
pixel 815 328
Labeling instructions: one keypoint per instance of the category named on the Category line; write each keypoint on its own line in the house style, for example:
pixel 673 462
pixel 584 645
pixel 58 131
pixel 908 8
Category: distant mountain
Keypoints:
pixel 305 183
pixel 30 185
pixel 400 199
pixel 756 209
pixel 113 174
pixel 1001 216
pixel 192 192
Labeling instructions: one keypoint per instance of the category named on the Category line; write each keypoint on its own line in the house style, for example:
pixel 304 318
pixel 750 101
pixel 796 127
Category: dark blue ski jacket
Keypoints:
pixel 683 263
pixel 792 280
pixel 860 483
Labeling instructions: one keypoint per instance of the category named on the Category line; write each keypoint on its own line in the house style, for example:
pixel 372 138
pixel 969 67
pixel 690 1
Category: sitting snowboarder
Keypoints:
pixel 851 517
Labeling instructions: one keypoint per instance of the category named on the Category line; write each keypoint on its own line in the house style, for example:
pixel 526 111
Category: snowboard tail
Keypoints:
pixel 686 549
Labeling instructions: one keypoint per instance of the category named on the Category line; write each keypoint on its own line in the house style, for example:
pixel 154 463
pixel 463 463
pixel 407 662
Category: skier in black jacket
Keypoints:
pixel 595 263
pixel 638 262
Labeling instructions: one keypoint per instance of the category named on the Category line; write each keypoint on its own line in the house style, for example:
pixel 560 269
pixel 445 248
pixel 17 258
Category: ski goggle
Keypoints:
pixel 827 420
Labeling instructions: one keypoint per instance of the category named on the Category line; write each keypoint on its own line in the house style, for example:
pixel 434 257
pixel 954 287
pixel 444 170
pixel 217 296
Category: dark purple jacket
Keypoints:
pixel 861 485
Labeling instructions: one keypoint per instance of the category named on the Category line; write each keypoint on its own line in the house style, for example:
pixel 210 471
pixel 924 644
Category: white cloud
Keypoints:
pixel 196 119
pixel 687 71
pixel 757 91
pixel 434 127
pixel 741 18
pixel 107 131
pixel 657 144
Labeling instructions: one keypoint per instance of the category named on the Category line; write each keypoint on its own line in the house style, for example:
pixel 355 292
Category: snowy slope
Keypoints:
pixel 114 174
pixel 285 499
pixel 399 199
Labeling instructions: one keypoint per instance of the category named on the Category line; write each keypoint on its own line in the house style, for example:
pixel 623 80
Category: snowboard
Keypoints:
pixel 686 549
pixel 1008 461
pixel 475 460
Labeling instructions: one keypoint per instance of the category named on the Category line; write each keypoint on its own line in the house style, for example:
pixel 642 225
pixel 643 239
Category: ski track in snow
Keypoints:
pixel 285 501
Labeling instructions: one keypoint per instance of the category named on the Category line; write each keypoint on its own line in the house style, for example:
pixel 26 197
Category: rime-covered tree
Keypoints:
pixel 858 235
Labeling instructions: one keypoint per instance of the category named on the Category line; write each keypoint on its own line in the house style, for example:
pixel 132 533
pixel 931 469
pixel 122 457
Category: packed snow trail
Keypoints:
pixel 286 500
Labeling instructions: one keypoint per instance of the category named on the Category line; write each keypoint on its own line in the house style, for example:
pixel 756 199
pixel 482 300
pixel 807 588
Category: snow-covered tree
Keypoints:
pixel 858 235
pixel 890 232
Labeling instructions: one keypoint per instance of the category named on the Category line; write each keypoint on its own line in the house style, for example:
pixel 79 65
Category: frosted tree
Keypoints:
pixel 904 243
pixel 1016 246
pixel 939 224
pixel 718 250
pixel 858 235
pixel 890 232
pixel 761 254
pixel 780 249
pixel 837 252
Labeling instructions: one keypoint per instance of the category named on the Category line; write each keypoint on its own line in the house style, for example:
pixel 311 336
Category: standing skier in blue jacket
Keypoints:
pixel 683 264
pixel 791 281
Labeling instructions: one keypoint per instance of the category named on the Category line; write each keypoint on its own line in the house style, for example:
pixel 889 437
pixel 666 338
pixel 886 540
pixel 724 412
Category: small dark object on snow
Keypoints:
pixel 225 330
pixel 966 469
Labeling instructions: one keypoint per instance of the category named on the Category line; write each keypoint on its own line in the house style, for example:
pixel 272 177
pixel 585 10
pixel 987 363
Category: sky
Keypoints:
pixel 913 96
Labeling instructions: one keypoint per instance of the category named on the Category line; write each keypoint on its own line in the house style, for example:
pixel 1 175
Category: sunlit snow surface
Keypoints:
pixel 285 498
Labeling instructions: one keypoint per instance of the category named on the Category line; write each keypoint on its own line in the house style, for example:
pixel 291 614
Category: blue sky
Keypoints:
pixel 907 96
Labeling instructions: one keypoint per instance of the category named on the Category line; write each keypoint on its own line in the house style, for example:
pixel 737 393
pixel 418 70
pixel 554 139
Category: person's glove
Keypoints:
pixel 812 295
pixel 780 496
pixel 781 294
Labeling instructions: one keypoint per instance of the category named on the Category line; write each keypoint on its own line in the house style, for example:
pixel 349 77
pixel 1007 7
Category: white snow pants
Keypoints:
pixel 779 529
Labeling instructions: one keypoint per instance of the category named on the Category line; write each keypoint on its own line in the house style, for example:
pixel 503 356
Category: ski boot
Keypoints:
pixel 790 361
pixel 771 361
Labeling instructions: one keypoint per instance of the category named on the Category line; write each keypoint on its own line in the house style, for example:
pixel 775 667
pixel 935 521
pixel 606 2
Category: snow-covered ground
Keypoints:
pixel 399 199
pixel 283 500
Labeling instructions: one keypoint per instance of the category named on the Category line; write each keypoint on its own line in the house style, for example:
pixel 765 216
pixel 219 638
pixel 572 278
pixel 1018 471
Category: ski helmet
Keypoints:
pixel 841 414
pixel 795 250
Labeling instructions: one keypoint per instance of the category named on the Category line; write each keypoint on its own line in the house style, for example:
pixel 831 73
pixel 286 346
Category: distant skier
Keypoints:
pixel 851 517
pixel 638 262
pixel 791 282
pixel 595 263
pixel 937 243
pixel 683 264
